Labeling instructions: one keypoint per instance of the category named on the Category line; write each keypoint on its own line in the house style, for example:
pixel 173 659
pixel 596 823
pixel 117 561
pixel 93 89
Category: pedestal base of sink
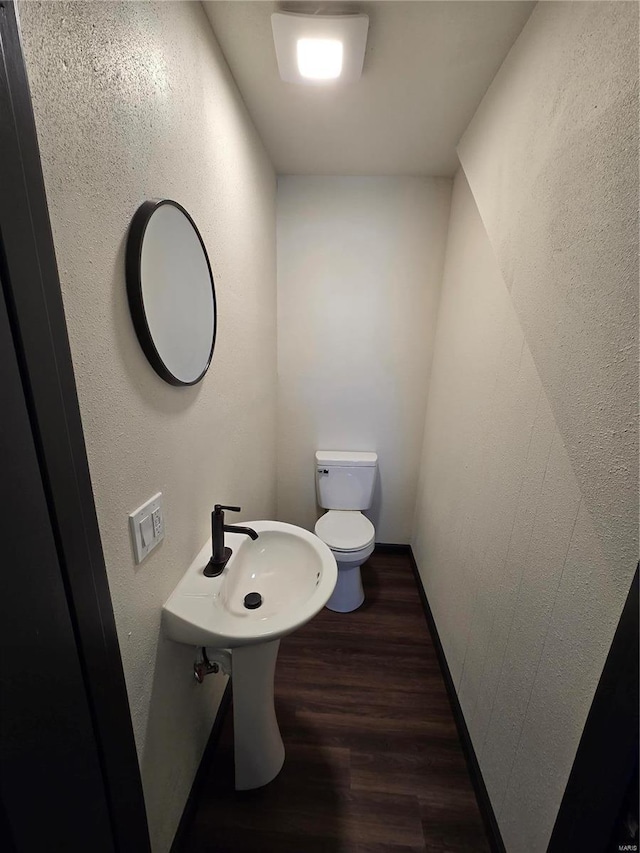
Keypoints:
pixel 258 747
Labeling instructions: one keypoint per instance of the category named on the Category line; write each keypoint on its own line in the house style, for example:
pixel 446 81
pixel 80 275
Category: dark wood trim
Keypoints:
pixel 607 754
pixel 48 749
pixel 34 303
pixel 482 795
pixel 7 844
pixel 207 757
pixel 390 548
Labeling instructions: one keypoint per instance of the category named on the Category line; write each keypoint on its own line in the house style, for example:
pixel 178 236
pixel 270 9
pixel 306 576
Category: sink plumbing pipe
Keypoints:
pixel 213 661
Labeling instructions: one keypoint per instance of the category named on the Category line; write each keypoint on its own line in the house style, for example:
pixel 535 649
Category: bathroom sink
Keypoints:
pixel 293 572
pixel 269 587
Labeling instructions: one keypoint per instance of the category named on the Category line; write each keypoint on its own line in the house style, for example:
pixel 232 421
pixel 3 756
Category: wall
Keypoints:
pixel 134 101
pixel 556 133
pixel 525 556
pixel 359 267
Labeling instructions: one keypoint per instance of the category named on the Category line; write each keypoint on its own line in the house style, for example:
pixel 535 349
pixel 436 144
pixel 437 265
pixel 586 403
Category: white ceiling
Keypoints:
pixel 428 64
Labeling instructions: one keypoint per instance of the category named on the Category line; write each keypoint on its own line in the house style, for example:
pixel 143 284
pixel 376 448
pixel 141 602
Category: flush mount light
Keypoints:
pixel 316 49
pixel 319 59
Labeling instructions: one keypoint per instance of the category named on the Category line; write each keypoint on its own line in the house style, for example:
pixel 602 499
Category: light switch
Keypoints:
pixel 147 527
pixel 146 530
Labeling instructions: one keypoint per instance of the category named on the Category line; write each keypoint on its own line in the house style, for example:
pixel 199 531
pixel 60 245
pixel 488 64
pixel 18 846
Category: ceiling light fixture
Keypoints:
pixel 317 49
pixel 319 59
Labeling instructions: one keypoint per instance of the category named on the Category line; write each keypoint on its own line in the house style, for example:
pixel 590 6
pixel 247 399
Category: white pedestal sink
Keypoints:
pixel 294 573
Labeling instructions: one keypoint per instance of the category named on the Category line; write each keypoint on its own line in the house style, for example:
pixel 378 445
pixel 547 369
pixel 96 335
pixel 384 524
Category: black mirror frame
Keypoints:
pixel 133 260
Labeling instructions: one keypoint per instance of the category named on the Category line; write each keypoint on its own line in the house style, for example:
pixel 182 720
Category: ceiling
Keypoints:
pixel 426 68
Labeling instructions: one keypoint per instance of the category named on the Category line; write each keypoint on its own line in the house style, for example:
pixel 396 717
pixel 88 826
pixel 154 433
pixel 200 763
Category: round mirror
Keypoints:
pixel 171 291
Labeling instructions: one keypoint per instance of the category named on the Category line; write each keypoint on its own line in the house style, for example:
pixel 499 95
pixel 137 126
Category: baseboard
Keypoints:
pixel 390 548
pixel 482 795
pixel 207 755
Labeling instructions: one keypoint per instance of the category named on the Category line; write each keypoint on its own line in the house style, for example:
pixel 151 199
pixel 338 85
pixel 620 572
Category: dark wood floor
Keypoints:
pixel 373 760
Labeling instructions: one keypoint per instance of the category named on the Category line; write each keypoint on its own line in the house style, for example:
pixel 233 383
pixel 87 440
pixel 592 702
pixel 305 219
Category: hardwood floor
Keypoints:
pixel 373 760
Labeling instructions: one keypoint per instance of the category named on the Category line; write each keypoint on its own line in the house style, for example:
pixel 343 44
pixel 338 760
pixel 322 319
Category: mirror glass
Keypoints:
pixel 171 292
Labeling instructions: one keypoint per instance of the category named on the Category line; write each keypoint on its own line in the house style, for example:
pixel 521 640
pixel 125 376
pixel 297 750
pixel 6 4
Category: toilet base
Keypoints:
pixel 348 594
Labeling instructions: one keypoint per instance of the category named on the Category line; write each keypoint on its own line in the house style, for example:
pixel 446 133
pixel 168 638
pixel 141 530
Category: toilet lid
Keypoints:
pixel 345 530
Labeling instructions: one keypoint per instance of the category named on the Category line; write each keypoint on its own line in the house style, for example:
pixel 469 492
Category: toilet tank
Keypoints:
pixel 345 479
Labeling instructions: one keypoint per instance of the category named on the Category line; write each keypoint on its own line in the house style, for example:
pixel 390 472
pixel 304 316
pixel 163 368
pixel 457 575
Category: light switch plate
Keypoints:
pixel 147 527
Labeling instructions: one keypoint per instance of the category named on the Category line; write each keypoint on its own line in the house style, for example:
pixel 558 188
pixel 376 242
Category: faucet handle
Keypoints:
pixel 220 507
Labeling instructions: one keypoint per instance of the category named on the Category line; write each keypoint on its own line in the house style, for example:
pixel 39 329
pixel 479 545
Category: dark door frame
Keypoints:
pixel 48 750
pixel 603 770
pixel 34 303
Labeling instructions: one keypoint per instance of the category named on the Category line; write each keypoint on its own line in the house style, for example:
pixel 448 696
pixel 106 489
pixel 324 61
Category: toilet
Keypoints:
pixel 345 481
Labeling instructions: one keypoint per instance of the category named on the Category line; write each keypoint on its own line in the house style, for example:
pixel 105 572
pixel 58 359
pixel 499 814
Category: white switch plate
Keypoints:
pixel 147 527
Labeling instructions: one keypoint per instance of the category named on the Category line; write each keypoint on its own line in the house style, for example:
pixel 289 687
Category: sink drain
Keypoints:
pixel 252 600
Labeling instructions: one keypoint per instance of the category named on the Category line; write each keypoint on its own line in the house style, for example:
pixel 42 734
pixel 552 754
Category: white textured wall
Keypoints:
pixel 552 160
pixel 524 597
pixel 134 101
pixel 359 267
pixel 527 505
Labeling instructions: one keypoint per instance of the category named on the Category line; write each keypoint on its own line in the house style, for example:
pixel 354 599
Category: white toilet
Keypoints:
pixel 344 485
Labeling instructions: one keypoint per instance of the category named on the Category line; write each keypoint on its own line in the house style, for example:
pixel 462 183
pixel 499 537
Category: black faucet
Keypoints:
pixel 220 555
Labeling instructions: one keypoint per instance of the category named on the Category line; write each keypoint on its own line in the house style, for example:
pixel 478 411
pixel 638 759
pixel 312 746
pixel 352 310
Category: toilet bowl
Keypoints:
pixel 345 482
pixel 350 535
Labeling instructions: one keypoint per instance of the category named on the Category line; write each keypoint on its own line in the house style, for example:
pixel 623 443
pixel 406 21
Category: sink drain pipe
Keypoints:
pixel 212 661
